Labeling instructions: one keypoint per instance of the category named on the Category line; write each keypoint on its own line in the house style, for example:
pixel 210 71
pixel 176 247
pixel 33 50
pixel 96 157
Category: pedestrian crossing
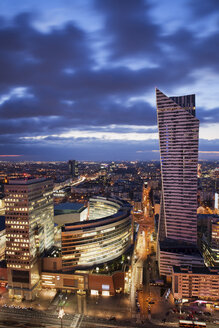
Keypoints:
pixel 76 322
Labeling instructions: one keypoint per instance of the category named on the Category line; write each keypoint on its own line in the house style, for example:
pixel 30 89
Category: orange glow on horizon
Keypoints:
pixel 10 155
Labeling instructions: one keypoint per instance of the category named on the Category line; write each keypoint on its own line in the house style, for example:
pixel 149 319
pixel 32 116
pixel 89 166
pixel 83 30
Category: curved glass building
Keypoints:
pixel 103 237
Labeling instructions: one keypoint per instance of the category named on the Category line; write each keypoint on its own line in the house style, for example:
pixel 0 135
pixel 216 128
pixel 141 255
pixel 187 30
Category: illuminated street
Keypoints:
pixel 40 319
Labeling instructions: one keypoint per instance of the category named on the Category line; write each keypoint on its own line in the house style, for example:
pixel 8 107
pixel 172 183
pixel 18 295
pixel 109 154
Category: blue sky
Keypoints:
pixel 78 77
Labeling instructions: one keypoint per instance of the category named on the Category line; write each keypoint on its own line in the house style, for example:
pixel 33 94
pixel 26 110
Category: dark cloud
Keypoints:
pixel 21 118
pixel 205 8
pixel 131 32
pixel 129 29
pixel 208 116
pixel 82 150
pixel 29 57
pixel 65 86
pixel 193 51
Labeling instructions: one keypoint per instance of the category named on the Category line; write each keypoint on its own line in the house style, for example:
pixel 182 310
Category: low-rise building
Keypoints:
pixel 106 285
pixel 65 281
pixel 177 253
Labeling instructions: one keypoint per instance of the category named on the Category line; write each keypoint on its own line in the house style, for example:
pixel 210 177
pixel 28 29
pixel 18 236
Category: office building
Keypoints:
pixel 2 238
pixel 210 238
pixel 106 235
pixel 178 136
pixel 73 168
pixel 89 248
pixel 29 232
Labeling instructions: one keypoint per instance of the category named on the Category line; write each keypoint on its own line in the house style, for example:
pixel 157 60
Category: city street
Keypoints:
pixel 41 319
pixel 80 311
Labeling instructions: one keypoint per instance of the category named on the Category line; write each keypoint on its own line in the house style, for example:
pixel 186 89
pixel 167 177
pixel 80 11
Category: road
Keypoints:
pixel 68 183
pixel 38 319
pixel 152 306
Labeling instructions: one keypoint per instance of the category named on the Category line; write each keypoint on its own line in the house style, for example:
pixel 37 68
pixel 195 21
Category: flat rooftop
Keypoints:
pixel 26 181
pixel 196 270
pixel 180 247
pixel 67 208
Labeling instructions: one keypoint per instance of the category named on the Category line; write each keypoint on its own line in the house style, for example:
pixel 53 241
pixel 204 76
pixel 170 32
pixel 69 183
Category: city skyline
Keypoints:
pixel 78 78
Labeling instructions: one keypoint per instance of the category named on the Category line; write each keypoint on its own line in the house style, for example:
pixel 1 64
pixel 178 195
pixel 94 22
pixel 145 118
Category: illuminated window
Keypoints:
pixel 94 292
pixel 105 293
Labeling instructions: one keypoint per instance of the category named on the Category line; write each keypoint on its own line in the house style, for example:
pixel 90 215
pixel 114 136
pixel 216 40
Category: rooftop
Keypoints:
pixel 175 246
pixel 208 216
pixel 65 208
pixel 26 181
pixel 196 270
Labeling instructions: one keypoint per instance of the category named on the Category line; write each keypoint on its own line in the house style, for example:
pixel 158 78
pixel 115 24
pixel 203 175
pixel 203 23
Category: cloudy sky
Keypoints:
pixel 78 78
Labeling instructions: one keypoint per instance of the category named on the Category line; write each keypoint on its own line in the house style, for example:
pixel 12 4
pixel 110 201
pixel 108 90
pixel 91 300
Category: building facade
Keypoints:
pixel 73 168
pixel 84 281
pixel 178 136
pixel 2 244
pixel 29 232
pixel 106 235
pixel 178 254
pixel 89 261
pixel 210 240
pixel 195 283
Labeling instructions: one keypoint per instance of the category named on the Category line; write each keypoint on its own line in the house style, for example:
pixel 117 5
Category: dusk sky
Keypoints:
pixel 78 77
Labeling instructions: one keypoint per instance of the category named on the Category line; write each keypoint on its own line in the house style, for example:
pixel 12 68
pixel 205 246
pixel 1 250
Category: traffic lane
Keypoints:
pixel 153 304
pixel 26 319
pixel 33 317
pixel 92 322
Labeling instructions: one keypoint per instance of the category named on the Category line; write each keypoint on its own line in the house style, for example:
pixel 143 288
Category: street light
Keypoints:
pixel 61 314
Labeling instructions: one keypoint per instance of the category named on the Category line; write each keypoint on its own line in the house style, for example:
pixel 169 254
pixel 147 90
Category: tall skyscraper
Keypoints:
pixel 29 231
pixel 178 135
pixel 73 168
